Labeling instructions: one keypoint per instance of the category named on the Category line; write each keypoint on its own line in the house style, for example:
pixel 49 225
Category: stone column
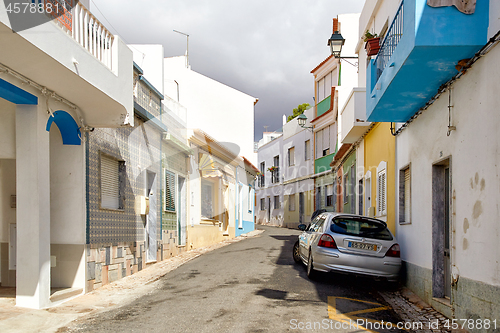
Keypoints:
pixel 33 207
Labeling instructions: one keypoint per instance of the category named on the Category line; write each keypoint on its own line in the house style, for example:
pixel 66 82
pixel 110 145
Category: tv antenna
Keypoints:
pixel 187 46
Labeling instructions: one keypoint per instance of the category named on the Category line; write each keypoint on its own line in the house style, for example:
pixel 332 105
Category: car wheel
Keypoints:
pixel 296 252
pixel 311 273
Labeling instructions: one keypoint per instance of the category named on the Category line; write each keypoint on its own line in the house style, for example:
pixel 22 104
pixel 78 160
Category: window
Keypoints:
pixel 325 84
pixel 329 195
pixel 250 199
pixel 360 227
pixel 382 189
pixel 169 191
pixel 323 142
pixel 263 204
pixel 262 179
pixel 291 202
pixel 112 179
pixel 276 202
pixel 307 150
pixel 404 195
pixel 207 200
pixel 275 174
pixel 291 156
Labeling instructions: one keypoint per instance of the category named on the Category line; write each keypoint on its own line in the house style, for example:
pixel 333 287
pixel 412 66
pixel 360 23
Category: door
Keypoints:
pixel 151 218
pixel 360 197
pixel 268 209
pixel 301 207
pixel 441 226
pixel 181 210
pixel 446 252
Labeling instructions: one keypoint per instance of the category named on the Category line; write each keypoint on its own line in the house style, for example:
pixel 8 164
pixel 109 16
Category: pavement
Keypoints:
pixel 59 318
pixel 108 297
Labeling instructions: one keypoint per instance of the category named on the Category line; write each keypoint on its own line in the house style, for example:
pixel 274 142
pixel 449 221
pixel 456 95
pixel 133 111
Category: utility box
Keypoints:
pixel 142 205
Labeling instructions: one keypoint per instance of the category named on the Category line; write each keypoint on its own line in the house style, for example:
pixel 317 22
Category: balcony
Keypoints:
pixel 353 116
pixel 418 54
pixel 78 59
pixel 322 164
pixel 323 106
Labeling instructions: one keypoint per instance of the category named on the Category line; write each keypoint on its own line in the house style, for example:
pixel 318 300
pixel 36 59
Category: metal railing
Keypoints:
pixel 390 41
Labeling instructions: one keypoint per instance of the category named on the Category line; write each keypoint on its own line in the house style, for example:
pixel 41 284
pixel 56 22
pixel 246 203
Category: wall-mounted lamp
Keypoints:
pixel 302 119
pixel 336 42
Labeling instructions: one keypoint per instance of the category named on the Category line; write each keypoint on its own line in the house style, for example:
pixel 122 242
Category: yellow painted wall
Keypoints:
pixel 380 145
pixel 205 235
pixel 291 218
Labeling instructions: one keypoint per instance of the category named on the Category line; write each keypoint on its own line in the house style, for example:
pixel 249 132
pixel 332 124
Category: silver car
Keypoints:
pixel 348 243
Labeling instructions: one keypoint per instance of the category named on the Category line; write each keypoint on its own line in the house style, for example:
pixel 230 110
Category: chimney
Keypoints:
pixel 335 25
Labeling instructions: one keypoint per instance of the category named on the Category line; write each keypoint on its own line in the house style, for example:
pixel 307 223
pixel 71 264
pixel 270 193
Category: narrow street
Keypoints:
pixel 250 286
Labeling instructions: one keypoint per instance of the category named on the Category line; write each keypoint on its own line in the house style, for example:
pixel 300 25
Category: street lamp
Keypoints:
pixel 336 42
pixel 302 119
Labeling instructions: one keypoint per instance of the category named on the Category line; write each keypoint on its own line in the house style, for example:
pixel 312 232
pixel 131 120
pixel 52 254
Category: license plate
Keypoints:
pixel 362 246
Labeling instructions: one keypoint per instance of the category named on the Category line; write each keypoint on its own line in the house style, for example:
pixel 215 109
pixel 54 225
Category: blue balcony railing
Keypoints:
pixel 390 41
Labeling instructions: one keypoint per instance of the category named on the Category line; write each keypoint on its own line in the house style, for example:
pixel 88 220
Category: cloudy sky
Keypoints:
pixel 264 48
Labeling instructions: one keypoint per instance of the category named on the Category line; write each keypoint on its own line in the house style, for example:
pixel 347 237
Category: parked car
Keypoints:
pixel 348 243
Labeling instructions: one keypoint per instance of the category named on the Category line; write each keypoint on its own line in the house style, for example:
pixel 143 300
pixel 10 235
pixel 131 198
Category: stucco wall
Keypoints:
pixel 379 146
pixel 474 151
pixel 223 112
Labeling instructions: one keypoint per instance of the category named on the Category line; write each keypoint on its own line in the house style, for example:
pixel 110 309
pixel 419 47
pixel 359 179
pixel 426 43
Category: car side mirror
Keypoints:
pixel 302 227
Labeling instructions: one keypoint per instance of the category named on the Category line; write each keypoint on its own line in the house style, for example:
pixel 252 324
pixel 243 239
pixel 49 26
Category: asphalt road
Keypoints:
pixel 251 286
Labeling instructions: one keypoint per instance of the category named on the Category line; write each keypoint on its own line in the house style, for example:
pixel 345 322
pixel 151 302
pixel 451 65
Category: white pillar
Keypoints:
pixel 33 207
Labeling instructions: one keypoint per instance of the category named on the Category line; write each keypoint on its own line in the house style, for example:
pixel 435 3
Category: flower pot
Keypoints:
pixel 372 46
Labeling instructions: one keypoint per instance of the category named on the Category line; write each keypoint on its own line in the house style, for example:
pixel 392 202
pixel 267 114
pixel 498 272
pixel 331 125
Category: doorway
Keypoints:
pixel 441 226
pixel 151 218
pixel 268 209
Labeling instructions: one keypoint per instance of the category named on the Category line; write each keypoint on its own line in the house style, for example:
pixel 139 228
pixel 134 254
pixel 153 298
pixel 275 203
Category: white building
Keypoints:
pixel 53 75
pixel 285 195
pixel 224 112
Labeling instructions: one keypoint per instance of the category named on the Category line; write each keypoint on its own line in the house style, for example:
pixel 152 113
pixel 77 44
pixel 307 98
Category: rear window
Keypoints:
pixel 361 227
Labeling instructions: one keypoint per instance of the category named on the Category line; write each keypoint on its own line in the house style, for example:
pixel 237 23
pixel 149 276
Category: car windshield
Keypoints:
pixel 361 227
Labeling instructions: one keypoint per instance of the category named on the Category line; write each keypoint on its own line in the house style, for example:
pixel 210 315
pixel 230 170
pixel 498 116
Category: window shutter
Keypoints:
pixel 110 183
pixel 381 195
pixel 169 191
pixel 407 194
pixel 326 138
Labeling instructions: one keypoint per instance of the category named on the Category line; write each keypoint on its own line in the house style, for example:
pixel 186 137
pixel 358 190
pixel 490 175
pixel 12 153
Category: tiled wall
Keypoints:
pixel 110 262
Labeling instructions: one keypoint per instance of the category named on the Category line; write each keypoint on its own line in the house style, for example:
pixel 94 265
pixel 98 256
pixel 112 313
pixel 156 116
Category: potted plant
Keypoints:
pixel 272 169
pixel 372 45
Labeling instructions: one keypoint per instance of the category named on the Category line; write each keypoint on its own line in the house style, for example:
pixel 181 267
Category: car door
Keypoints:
pixel 318 231
pixel 304 238
pixel 310 234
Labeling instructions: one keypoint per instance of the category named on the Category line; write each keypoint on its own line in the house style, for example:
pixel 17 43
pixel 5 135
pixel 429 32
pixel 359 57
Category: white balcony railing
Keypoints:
pixel 92 35
pixel 86 29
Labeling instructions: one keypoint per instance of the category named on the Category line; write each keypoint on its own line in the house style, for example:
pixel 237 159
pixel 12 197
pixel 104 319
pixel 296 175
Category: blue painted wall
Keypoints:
pixel 247 227
pixel 433 41
pixel 16 95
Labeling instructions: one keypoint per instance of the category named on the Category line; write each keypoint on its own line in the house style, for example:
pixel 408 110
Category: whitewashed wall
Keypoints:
pixel 221 111
pixel 474 150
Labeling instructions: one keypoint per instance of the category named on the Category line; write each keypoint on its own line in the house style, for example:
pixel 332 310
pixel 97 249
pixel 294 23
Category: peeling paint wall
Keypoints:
pixel 474 148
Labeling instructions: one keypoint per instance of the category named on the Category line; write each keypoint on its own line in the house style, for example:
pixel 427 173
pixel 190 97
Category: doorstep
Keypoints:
pixel 61 294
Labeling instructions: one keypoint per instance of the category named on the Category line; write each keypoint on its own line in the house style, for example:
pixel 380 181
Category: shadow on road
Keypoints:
pixel 345 293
